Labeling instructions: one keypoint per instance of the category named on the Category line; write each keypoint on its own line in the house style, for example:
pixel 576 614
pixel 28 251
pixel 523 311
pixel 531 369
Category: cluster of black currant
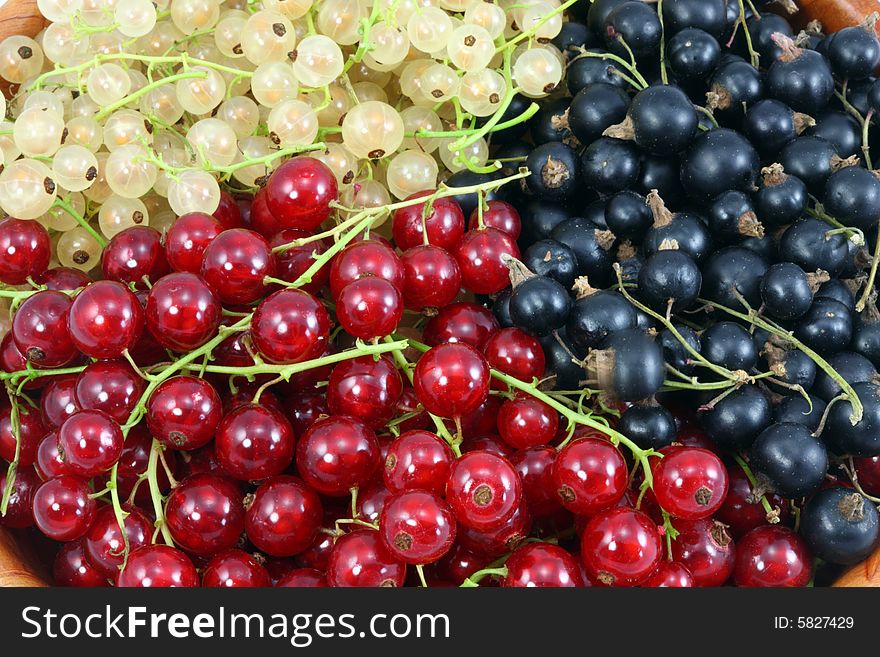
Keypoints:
pixel 699 231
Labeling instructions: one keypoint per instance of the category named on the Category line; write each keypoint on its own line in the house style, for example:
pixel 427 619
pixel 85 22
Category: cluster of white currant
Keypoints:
pixel 133 112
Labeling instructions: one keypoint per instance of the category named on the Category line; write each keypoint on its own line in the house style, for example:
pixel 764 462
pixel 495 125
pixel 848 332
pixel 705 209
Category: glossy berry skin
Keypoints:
pixel 417 527
pixel 300 191
pixel 690 482
pixel 235 264
pixel 183 412
pixel 205 514
pixel 290 326
pixel 39 329
pixel 111 386
pixel 303 578
pixel 535 468
pixel 431 277
pixel 741 511
pixel 284 516
pixel 444 223
pixel 772 556
pixel 30 433
pixel 365 388
pixel 20 507
pixel 369 308
pixel 706 549
pixel 365 258
pixel 103 543
pixel 336 454
pixel 134 462
pixel 105 319
pixel 669 574
pixel 451 380
pixel 63 278
pixel 295 261
pixel 417 460
pixel 158 566
pixel 254 442
pixel 25 250
pixel 48 461
pixel 187 239
pixel 483 490
pixel 590 475
pixel 540 565
pixel 480 255
pixel 515 352
pixel 72 568
pixel 840 525
pixel 182 312
pixel 89 443
pixel 235 569
pixel 360 559
pixel 136 256
pixel 664 119
pixel 63 510
pixel 527 422
pixel 496 542
pixel 465 322
pixel 500 215
pixel 620 547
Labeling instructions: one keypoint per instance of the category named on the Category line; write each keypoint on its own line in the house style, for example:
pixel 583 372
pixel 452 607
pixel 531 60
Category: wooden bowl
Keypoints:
pixel 22 17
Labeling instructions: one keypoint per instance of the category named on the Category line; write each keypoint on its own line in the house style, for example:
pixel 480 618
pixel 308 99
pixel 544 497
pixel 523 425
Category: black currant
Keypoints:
pixel 539 305
pixel 736 420
pixel 553 259
pixel 793 460
pixel 595 315
pixel 594 108
pixel 717 161
pixel 670 277
pixel 650 426
pixel 786 291
pixel 840 525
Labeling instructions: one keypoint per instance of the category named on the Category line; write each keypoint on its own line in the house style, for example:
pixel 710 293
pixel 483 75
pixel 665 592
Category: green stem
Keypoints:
pixel 663 74
pixel 769 510
pixel 473 581
pixel 69 209
pixel 156 494
pixel 143 91
pixel 753 56
pixel 872 275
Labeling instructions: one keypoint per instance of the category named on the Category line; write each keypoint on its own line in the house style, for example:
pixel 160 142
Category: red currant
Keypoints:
pixel 483 490
pixel 183 412
pixel 49 462
pixel 669 574
pixel 336 454
pixel 72 568
pixel 104 545
pixel 515 352
pixel 290 326
pixel 39 328
pixel 283 517
pixel 235 264
pixel 371 500
pixel 89 443
pixel 417 460
pixel 480 256
pixel 417 527
pixel 527 422
pixel 460 563
pixel 20 505
pixel 294 261
pixel 187 239
pixel 63 510
pixel 30 433
pixel 451 380
pixel 182 313
pixel 105 319
pixel 63 278
pixel 158 566
pixel 741 510
pixel 134 461
pixel 500 215
pixel 254 442
pixel 307 408
pixel 58 401
pixel 229 210
pixel 444 223
pixel 705 547
pixel 235 569
pixel 360 559
pixel 365 258
pixel 369 308
pixel 590 475
pixel 135 255
pixel 540 565
pixel 205 514
pixel 300 191
pixel 689 482
pixel 465 322
pixel 111 386
pixel 261 219
pixel 25 250
pixel 535 467
pixel 365 388
pixel 303 578
pixel 620 547
pixel 431 277
pixel 868 472
pixel 772 556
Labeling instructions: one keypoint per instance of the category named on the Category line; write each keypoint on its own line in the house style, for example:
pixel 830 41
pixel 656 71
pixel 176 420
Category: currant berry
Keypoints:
pixel 706 549
pixel 690 482
pixel 461 322
pixel 26 250
pixel 515 352
pixel 417 460
pixel 187 239
pixel 336 454
pixel 360 559
pixel 772 556
pixel 157 566
pixel 417 527
pixel 369 308
pixel 205 514
pixel 40 331
pixel 235 569
pixel 365 388
pixel 89 443
pixel 235 263
pixel 30 433
pixel 451 380
pixel 365 258
pixel 431 277
pixel 541 565
pixel 63 510
pixel 620 547
pixel 104 545
pixel 290 326
pixel 182 312
pixel 590 475
pixel 254 442
pixel 483 490
pixel 105 319
pixel 481 257
pixel 111 386
pixel 443 222
pixel 300 191
pixel 183 412
pixel 283 517
pixel 527 422
pixel 135 256
pixel 72 568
